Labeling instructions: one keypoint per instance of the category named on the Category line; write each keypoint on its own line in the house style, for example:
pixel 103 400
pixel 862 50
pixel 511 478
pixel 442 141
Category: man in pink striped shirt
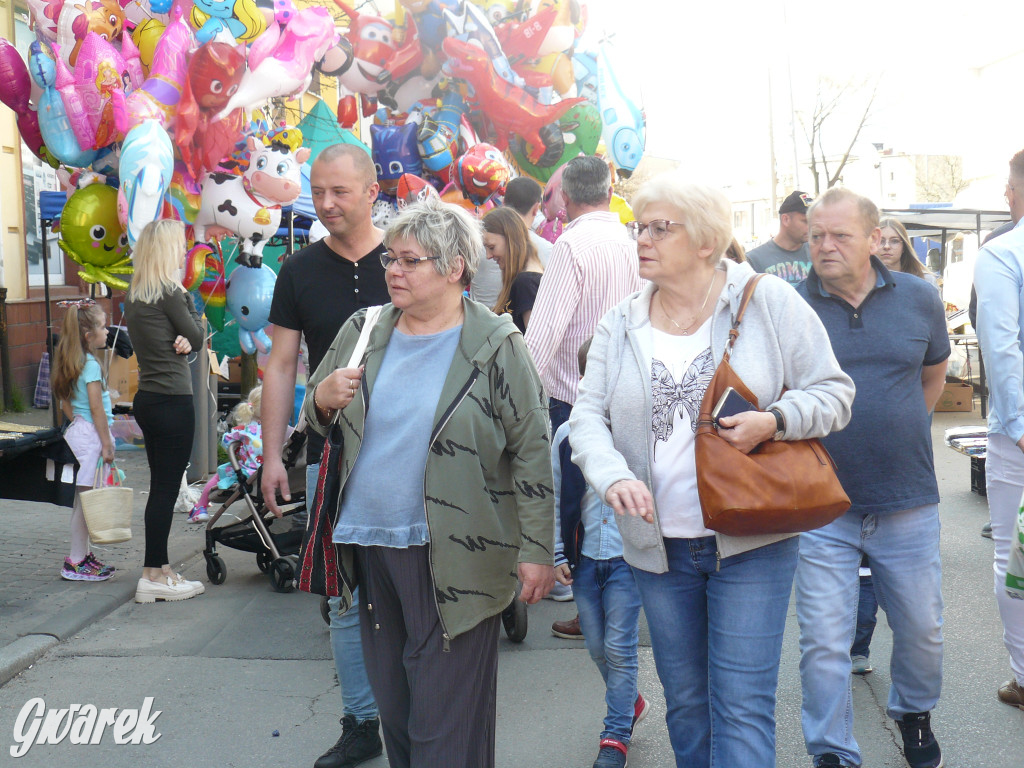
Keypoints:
pixel 593 266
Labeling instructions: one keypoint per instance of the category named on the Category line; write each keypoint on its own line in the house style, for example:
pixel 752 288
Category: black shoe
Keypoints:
pixel 359 742
pixel 829 760
pixel 919 744
pixel 986 530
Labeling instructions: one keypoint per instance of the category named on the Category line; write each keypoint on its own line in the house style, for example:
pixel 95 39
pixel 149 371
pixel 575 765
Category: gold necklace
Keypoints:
pixel 686 331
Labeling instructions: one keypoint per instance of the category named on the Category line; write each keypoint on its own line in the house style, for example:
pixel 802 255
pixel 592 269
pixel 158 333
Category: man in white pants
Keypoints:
pixel 999 280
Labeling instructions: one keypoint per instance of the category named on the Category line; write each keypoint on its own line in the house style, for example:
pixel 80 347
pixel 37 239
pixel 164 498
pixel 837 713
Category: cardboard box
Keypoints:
pixel 956 397
pixel 123 378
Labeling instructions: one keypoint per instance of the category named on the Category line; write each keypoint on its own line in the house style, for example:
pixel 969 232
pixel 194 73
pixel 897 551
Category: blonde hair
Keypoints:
pixel 250 409
pixel 69 357
pixel 157 256
pixel 704 212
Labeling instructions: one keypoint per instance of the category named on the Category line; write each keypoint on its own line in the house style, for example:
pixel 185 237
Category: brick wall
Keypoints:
pixel 26 338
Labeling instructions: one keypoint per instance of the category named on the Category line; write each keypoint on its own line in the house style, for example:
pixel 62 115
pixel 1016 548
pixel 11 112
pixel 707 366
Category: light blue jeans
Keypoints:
pixel 903 548
pixel 716 635
pixel 346 645
pixel 609 608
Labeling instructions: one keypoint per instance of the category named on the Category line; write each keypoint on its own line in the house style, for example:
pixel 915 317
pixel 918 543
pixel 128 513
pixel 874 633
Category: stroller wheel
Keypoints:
pixel 263 561
pixel 216 571
pixel 325 610
pixel 514 619
pixel 282 574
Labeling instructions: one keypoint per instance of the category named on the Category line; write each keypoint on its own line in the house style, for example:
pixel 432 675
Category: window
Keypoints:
pixel 39 177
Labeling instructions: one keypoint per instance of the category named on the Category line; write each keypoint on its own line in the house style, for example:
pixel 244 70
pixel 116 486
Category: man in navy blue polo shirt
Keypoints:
pixel 888 332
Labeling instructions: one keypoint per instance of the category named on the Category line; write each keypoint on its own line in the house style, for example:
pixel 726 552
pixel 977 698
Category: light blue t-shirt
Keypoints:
pixel 80 394
pixel 383 503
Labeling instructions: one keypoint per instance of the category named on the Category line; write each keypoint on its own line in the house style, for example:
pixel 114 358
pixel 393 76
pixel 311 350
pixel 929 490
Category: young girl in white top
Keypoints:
pixel 79 385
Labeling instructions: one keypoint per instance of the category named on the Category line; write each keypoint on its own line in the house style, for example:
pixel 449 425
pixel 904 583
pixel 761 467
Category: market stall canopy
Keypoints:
pixel 934 222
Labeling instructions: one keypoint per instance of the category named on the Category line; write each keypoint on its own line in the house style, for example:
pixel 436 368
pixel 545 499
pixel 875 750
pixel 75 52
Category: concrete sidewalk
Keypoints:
pixel 38 609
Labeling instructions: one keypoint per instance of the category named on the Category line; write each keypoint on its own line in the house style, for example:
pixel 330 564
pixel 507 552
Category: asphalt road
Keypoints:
pixel 228 669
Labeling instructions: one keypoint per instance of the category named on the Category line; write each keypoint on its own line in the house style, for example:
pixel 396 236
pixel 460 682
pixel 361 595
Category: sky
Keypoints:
pixel 702 71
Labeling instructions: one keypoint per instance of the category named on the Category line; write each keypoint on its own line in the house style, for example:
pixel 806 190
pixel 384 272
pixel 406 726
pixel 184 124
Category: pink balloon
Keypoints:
pixel 130 54
pixel 15 84
pixel 73 105
pixel 100 75
pixel 158 97
pixel 28 126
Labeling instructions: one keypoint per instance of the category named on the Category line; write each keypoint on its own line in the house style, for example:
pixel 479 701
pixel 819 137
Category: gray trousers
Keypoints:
pixel 437 707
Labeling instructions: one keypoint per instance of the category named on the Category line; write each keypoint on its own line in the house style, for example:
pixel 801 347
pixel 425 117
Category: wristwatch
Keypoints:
pixel 780 423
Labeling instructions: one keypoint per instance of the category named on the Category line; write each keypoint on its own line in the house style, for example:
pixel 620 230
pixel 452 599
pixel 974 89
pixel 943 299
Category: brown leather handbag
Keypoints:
pixel 780 487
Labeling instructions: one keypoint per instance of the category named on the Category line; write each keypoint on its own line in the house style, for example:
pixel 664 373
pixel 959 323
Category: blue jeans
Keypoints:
pixel 717 640
pixel 903 548
pixel 558 412
pixel 609 608
pixel 346 645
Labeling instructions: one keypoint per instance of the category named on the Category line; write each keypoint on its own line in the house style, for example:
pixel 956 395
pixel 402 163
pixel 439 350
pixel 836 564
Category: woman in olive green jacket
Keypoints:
pixel 445 488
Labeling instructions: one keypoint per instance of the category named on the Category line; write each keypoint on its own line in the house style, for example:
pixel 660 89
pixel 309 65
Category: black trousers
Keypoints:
pixel 437 706
pixel 167 423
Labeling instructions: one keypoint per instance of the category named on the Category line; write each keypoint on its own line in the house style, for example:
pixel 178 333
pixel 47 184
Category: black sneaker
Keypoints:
pixel 359 742
pixel 919 744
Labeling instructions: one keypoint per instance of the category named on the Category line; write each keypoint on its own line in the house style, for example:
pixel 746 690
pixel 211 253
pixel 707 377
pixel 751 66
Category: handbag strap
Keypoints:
pixel 370 320
pixel 734 332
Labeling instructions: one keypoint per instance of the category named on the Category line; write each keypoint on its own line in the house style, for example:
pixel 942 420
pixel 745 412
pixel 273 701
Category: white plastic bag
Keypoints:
pixel 187 497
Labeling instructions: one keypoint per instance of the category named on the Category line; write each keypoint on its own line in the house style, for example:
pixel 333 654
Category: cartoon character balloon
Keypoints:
pixel 249 206
pixel 249 294
pixel 482 172
pixel 147 165
pixel 281 62
pixel 581 131
pixel 214 74
pixel 80 17
pixel 624 124
pixel 92 236
pixel 394 153
pixel 53 118
pixel 100 76
pixel 242 19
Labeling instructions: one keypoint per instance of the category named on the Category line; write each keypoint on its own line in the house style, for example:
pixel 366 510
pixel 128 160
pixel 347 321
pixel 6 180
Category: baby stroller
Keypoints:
pixel 275 541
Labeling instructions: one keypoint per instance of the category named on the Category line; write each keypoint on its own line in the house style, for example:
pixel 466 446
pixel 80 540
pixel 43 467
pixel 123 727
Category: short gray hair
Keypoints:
pixel 704 212
pixel 443 230
pixel 836 195
pixel 586 180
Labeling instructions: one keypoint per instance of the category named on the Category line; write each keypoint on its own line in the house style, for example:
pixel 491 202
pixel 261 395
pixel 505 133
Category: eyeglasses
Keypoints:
pixel 657 229
pixel 405 263
pixel 892 242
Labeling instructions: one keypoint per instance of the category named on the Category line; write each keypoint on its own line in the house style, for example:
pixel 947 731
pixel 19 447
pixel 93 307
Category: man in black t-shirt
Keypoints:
pixel 318 289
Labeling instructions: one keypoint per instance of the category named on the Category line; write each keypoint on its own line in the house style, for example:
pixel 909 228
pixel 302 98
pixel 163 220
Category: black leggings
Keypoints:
pixel 167 423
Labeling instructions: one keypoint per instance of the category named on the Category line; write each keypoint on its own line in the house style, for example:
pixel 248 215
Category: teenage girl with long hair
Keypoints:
pixel 507 242
pixel 164 328
pixel 79 385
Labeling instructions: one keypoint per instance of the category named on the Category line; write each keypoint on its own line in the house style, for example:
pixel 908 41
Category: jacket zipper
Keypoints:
pixel 445 418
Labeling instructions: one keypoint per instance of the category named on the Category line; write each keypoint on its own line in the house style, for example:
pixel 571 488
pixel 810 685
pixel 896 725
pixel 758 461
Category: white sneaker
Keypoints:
pixel 561 593
pixel 166 589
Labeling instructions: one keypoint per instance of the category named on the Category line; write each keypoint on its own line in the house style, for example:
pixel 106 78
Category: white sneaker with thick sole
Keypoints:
pixel 166 589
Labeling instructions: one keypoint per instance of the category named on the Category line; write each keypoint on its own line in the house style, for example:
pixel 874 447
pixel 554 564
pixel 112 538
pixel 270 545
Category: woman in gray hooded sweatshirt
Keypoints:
pixel 716 605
